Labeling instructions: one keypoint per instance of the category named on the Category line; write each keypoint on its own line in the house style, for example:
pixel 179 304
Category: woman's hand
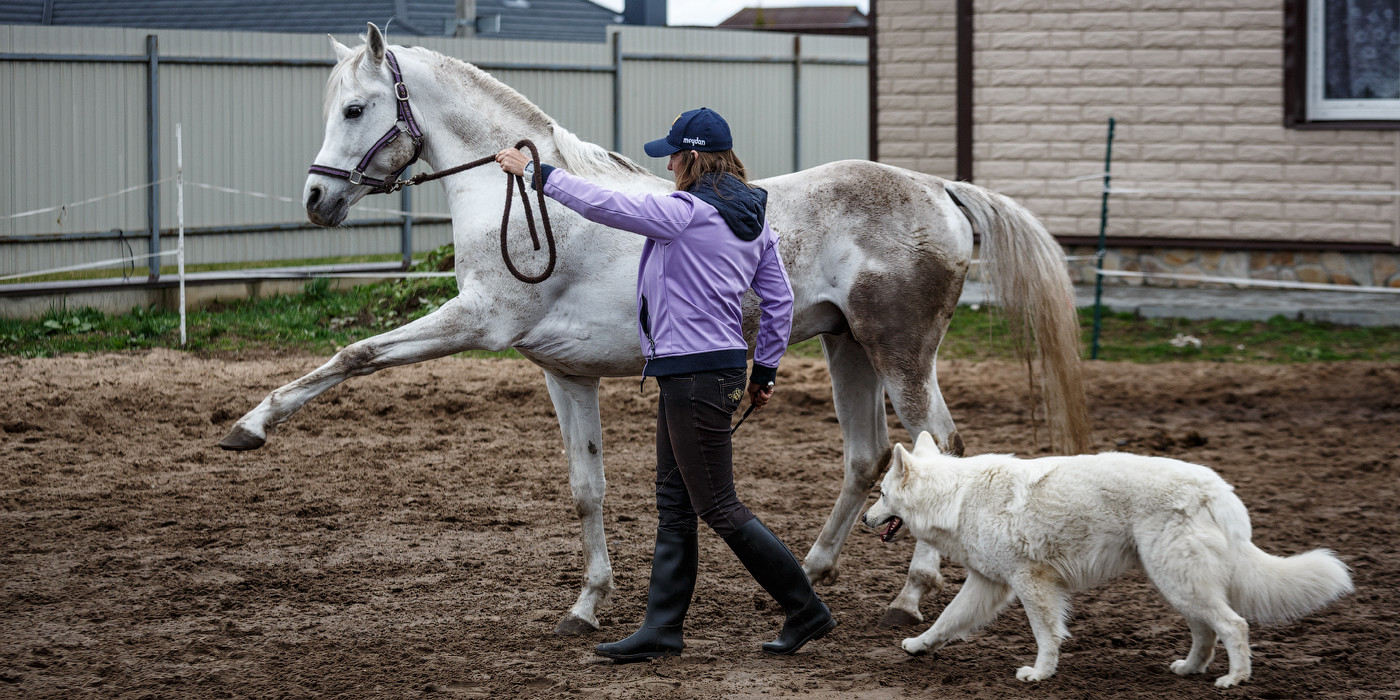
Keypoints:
pixel 512 161
pixel 759 395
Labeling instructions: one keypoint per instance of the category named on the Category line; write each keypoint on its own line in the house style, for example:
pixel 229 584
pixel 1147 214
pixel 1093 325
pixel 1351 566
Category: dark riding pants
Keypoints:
pixel 694 458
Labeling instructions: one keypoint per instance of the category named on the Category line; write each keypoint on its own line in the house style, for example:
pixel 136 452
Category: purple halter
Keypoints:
pixel 404 125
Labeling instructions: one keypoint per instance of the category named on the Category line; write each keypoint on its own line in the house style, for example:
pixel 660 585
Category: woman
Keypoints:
pixel 707 243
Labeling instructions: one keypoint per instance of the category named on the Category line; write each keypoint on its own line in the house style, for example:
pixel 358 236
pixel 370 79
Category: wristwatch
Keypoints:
pixel 530 172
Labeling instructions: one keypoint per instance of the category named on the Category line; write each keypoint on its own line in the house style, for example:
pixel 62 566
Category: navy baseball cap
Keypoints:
pixel 697 130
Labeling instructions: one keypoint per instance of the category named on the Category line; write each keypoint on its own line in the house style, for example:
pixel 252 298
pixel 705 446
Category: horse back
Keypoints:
pixel 857 235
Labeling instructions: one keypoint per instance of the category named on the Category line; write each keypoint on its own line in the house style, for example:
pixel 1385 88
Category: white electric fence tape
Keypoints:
pixel 88 266
pixel 1246 282
pixel 63 208
pixel 216 188
pixel 1249 192
pixel 280 198
pixel 1268 194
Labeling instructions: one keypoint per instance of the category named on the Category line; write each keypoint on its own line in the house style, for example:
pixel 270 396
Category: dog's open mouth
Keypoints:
pixel 891 528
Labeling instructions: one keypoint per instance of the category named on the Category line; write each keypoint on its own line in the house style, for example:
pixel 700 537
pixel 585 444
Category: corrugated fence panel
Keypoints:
pixel 835 120
pixel 754 97
pixel 756 100
pixel 68 132
pixel 835 100
pixel 77 129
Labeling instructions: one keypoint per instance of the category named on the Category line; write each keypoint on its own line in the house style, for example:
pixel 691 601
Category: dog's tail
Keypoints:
pixel 1269 589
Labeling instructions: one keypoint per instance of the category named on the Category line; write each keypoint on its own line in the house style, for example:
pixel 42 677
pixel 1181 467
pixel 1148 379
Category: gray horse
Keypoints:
pixel 876 255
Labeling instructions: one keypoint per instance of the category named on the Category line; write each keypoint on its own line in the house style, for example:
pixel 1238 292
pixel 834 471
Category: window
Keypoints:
pixel 1342 63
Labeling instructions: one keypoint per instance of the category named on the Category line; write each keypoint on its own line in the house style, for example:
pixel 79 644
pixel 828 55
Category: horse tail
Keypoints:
pixel 1024 268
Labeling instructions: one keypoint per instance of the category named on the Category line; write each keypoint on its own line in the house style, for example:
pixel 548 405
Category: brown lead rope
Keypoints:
pixel 517 181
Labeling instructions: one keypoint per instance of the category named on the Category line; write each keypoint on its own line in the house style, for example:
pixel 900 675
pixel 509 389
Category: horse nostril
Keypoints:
pixel 314 197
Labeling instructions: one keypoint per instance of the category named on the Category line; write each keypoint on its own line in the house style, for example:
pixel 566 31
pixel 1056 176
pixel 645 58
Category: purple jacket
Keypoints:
pixel 693 274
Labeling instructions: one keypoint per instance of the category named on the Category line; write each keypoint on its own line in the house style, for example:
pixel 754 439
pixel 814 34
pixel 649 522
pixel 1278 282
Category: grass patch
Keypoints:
pixel 319 320
pixel 983 334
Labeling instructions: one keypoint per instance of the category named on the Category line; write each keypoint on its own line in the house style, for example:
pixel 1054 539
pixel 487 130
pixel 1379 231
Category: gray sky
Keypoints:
pixel 708 13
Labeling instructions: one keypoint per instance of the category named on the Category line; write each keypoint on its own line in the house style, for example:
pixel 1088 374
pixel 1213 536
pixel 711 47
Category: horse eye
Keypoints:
pixel 354 111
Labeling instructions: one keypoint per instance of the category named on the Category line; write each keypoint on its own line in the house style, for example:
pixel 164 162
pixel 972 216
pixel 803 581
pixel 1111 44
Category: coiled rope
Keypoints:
pixel 511 180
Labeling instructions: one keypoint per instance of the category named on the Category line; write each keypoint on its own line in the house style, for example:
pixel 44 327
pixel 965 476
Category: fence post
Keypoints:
pixel 1103 228
pixel 796 102
pixel 153 152
pixel 617 90
pixel 406 232
pixel 180 224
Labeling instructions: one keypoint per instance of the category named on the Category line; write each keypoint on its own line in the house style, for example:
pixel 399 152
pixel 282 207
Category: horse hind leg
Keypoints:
pixel 860 407
pixel 919 404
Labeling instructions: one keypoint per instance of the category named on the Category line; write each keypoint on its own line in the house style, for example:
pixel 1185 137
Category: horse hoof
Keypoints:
pixel 895 617
pixel 241 439
pixel 572 626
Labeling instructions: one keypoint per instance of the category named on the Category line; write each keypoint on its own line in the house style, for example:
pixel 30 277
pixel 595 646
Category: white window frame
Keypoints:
pixel 1323 109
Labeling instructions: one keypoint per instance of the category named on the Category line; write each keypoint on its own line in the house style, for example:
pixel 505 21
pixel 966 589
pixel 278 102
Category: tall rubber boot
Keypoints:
pixel 673 570
pixel 774 568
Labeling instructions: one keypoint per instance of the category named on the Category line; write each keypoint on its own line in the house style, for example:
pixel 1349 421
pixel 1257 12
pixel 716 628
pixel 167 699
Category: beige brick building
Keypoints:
pixel 1220 164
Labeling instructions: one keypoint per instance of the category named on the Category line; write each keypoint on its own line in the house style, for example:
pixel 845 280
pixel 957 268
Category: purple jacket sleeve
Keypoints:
pixel 659 217
pixel 770 283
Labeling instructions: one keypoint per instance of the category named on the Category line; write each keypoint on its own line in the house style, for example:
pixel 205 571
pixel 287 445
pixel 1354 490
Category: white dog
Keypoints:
pixel 1040 529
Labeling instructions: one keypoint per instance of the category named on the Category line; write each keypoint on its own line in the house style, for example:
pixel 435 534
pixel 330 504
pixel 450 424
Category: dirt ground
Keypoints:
pixel 411 534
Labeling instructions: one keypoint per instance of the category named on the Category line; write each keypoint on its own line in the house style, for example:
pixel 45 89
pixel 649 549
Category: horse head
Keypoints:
pixel 370 137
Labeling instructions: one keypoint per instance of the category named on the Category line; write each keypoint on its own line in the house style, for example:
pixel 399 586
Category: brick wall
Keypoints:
pixel 916 56
pixel 1196 89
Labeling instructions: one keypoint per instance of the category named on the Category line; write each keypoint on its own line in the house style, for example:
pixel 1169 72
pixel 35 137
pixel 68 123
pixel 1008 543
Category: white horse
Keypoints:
pixel 876 255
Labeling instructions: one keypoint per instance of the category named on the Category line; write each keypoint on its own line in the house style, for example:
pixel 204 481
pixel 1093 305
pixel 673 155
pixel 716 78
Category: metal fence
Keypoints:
pixel 94 110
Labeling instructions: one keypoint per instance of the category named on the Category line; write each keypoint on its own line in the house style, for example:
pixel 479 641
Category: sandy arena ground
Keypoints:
pixel 411 534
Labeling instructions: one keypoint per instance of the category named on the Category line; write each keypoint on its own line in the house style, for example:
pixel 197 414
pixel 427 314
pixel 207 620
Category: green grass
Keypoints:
pixel 983 334
pixel 319 320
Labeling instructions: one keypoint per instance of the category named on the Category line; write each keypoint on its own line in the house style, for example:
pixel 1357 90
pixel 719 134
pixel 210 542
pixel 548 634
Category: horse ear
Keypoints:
pixel 927 444
pixel 341 50
pixel 375 40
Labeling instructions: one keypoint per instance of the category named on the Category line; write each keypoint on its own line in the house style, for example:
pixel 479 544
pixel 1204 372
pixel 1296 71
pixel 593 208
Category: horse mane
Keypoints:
pixel 589 159
pixel 579 157
pixel 344 72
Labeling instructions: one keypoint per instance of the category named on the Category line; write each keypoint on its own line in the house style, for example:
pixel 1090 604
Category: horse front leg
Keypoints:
pixel 576 403
pixel 442 332
pixel 860 408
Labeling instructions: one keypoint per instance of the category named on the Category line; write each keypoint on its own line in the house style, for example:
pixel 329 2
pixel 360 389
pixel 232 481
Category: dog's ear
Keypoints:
pixel 901 465
pixel 927 445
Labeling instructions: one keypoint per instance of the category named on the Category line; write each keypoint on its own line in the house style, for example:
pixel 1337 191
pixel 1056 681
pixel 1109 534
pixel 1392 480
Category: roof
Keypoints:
pixel 403 17
pixel 843 19
pixel 544 20
pixel 541 20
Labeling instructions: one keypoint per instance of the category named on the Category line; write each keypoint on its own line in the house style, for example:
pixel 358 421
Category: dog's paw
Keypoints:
pixel 1028 673
pixel 1183 667
pixel 1231 679
pixel 914 647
